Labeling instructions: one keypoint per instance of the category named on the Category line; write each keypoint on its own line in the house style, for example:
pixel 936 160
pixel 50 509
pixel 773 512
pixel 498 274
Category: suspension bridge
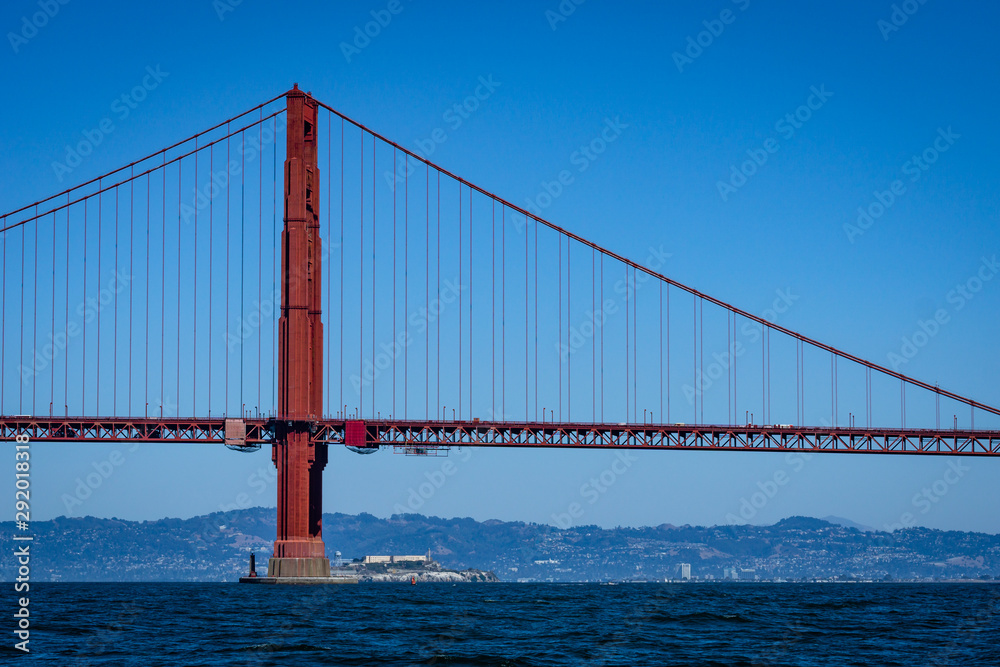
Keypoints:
pixel 292 278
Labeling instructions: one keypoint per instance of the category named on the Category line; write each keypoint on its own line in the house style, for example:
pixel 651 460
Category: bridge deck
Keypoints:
pixel 423 437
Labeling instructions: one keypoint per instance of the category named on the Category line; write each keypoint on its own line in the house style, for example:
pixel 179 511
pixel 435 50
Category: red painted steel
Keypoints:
pixel 300 460
pixel 441 435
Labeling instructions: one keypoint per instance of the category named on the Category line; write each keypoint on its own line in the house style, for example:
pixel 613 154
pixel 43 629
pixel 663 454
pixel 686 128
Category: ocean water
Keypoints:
pixel 512 624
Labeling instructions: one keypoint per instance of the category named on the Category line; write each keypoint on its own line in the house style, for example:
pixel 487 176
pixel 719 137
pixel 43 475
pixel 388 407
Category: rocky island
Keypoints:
pixel 421 572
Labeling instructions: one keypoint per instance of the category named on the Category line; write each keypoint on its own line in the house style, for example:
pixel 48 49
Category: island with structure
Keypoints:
pixel 409 569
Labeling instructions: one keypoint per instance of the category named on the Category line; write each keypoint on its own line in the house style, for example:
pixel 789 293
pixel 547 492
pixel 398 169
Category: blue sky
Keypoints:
pixel 886 95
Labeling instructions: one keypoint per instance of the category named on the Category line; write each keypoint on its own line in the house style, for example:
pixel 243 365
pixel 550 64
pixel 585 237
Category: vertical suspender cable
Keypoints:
pixel 178 322
pixel 763 375
pixel 694 356
pixel 472 338
pixel 131 264
pixel 730 414
pixel 493 305
pixel 66 320
pixel 114 330
pixel 833 388
pixel 394 172
pixel 260 237
pixel 211 252
pixel 361 290
pixel 406 281
pixel 229 192
pixel 769 375
pixel 34 315
pixel 374 273
pixel 732 361
pixel 163 276
pixel 243 259
pixel 52 373
pixel 146 367
pixel 100 225
pixel 503 221
pixel 437 274
pixel 194 294
pixel 340 368
pixel 3 313
pixel 427 290
pixel 459 300
pixel 628 342
pixel 701 348
pixel 20 385
pixel 329 240
pixel 275 261
pixel 668 353
pixel 472 319
pixel 68 351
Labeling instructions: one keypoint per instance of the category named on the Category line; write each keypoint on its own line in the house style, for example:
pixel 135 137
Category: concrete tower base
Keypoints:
pixel 298 567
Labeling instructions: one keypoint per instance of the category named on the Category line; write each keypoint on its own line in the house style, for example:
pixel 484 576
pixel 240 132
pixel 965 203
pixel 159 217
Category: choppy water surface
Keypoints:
pixel 514 624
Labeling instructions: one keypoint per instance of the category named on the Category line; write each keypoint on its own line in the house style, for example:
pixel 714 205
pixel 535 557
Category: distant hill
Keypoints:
pixel 216 547
pixel 847 523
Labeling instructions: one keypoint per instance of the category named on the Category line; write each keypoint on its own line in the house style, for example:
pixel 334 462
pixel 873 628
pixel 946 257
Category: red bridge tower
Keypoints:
pixel 299 550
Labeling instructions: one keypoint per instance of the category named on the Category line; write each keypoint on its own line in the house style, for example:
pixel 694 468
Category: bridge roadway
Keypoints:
pixel 436 437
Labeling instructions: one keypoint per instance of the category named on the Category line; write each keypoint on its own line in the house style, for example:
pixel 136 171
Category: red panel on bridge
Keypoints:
pixel 355 434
